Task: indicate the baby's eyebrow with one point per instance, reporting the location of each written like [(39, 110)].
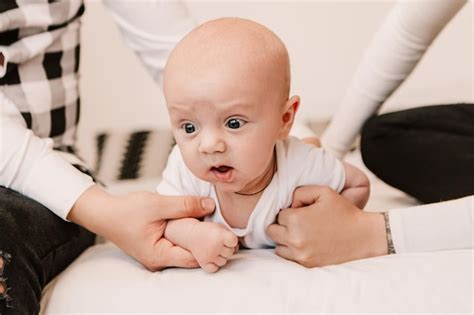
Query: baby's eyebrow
[(239, 107), (180, 111), (176, 106)]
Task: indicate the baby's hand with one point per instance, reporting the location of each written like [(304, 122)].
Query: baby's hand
[(212, 244)]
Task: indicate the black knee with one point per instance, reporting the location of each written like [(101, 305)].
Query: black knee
[(35, 245), (379, 143), (426, 152), (20, 276)]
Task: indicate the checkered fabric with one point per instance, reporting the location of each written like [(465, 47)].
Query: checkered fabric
[(39, 40)]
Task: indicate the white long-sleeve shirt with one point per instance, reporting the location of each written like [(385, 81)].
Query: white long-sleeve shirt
[(433, 227), (397, 47), (30, 166)]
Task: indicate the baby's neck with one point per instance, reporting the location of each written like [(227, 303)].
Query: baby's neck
[(258, 185), (237, 207)]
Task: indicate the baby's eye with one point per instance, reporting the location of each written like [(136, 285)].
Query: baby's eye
[(188, 128), (235, 123)]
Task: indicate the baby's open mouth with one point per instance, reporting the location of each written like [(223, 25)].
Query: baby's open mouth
[(222, 172)]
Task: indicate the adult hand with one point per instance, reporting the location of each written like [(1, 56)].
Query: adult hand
[(136, 223), (323, 228)]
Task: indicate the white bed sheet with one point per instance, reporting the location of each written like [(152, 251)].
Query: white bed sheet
[(105, 280)]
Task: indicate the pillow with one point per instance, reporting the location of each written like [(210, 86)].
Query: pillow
[(106, 280), (132, 154)]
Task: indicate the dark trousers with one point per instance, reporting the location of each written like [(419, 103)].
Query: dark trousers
[(427, 152), (35, 246)]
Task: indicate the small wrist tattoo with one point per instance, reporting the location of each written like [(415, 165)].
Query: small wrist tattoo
[(388, 231)]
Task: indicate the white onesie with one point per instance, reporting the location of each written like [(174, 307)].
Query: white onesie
[(299, 164)]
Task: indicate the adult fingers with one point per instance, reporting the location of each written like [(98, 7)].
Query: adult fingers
[(169, 255), (174, 207), (308, 195), (278, 233), (285, 216), (285, 252)]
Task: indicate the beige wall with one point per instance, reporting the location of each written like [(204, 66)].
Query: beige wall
[(325, 39)]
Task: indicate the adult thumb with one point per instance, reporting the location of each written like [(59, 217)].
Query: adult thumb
[(175, 207)]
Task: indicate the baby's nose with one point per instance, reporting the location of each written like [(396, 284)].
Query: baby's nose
[(211, 142)]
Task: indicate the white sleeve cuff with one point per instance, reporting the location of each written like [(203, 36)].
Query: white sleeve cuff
[(56, 184), (433, 227), (30, 166)]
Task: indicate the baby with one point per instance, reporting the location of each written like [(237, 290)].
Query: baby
[(226, 86)]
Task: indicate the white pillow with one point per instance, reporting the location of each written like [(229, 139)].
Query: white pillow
[(131, 154), (105, 280)]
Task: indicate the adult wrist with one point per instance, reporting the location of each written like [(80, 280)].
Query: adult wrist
[(92, 210), (376, 236)]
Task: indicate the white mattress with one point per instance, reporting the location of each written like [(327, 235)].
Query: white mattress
[(105, 280)]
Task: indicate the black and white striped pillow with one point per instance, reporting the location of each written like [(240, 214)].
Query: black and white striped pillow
[(132, 155)]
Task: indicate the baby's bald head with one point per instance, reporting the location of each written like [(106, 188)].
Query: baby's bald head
[(232, 47), (226, 86)]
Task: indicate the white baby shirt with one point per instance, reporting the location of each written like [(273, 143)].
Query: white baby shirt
[(299, 164)]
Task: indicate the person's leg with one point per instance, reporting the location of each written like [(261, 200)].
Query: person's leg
[(428, 152), (35, 246)]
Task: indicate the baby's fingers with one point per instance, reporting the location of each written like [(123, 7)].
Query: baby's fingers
[(220, 261), (236, 248), (230, 240), (227, 252), (210, 267)]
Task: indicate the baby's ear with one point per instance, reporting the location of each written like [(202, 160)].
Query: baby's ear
[(288, 117)]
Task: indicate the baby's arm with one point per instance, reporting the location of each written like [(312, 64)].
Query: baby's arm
[(357, 186), (210, 243)]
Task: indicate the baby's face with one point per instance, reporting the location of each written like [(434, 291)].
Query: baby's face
[(226, 120)]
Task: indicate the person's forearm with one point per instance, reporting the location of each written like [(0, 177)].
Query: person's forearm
[(30, 166), (373, 236), (433, 227), (93, 211), (394, 52), (151, 28)]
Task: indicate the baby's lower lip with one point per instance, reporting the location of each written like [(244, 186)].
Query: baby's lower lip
[(223, 174)]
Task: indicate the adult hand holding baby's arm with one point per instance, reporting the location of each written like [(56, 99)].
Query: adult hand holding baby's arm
[(323, 228), (136, 223)]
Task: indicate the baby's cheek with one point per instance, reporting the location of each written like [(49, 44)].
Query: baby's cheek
[(193, 163)]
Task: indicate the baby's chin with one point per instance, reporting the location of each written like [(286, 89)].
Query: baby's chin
[(224, 187)]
